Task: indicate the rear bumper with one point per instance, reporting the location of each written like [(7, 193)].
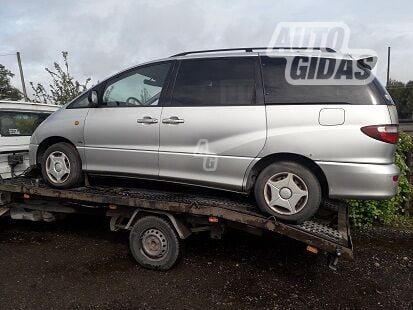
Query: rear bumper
[(32, 154), (360, 181)]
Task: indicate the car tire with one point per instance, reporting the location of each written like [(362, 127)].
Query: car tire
[(61, 166), (288, 191), (154, 243)]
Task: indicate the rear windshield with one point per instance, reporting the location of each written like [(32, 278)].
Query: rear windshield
[(20, 123), (279, 91)]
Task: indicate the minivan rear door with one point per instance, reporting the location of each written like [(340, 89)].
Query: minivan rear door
[(214, 124)]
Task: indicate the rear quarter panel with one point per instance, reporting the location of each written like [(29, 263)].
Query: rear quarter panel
[(296, 129)]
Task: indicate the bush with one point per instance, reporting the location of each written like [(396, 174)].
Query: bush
[(387, 212)]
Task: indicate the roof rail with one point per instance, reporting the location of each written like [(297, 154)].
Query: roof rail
[(251, 49)]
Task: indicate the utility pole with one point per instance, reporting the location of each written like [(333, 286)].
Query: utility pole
[(388, 66), (22, 77)]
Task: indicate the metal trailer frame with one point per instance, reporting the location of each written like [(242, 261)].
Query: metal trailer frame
[(30, 198)]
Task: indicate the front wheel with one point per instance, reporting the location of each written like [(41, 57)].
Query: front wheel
[(288, 191), (61, 166)]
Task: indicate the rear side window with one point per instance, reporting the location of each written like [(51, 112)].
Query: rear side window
[(20, 123), (279, 91), (215, 82)]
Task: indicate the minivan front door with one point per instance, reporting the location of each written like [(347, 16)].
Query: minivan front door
[(214, 125), (122, 132)]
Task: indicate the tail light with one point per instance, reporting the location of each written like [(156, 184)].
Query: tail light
[(384, 133)]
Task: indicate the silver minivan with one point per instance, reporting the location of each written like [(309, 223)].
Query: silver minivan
[(230, 120)]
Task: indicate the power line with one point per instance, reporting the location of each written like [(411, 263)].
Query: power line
[(12, 54)]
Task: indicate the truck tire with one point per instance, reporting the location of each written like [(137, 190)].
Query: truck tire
[(61, 166), (288, 191), (154, 243)]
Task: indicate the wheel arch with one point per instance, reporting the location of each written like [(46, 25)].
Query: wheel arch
[(180, 227), (48, 142), (303, 160)]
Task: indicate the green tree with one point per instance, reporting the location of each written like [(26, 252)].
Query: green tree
[(409, 100), (402, 95), (63, 87), (7, 91)]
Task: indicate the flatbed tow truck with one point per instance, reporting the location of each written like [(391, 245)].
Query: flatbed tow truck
[(159, 219)]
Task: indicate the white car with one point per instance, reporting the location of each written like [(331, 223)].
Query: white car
[(18, 120)]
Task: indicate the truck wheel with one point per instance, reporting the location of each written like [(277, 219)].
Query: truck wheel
[(61, 166), (288, 191), (154, 243)]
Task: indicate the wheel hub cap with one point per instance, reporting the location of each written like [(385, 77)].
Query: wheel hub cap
[(57, 167), (286, 193)]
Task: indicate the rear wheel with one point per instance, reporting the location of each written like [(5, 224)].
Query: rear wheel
[(288, 191), (61, 166), (154, 243)]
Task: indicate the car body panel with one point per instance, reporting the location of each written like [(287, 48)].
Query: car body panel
[(115, 141), (393, 114), (214, 145), (296, 129), (360, 181), (64, 123)]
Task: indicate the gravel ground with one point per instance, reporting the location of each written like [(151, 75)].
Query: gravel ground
[(79, 263)]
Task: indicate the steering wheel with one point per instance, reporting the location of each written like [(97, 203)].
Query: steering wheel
[(133, 100)]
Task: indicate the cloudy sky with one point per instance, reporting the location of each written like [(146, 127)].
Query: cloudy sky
[(103, 37)]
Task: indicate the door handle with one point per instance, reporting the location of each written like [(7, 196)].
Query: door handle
[(173, 120), (147, 120)]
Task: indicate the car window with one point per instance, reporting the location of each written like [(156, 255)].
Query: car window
[(20, 123), (279, 91), (215, 82), (141, 87), (82, 102)]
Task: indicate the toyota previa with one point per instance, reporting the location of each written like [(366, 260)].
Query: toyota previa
[(231, 120)]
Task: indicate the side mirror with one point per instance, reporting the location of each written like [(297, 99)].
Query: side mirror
[(93, 97)]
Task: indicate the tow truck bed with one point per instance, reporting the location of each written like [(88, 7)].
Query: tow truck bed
[(126, 202)]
